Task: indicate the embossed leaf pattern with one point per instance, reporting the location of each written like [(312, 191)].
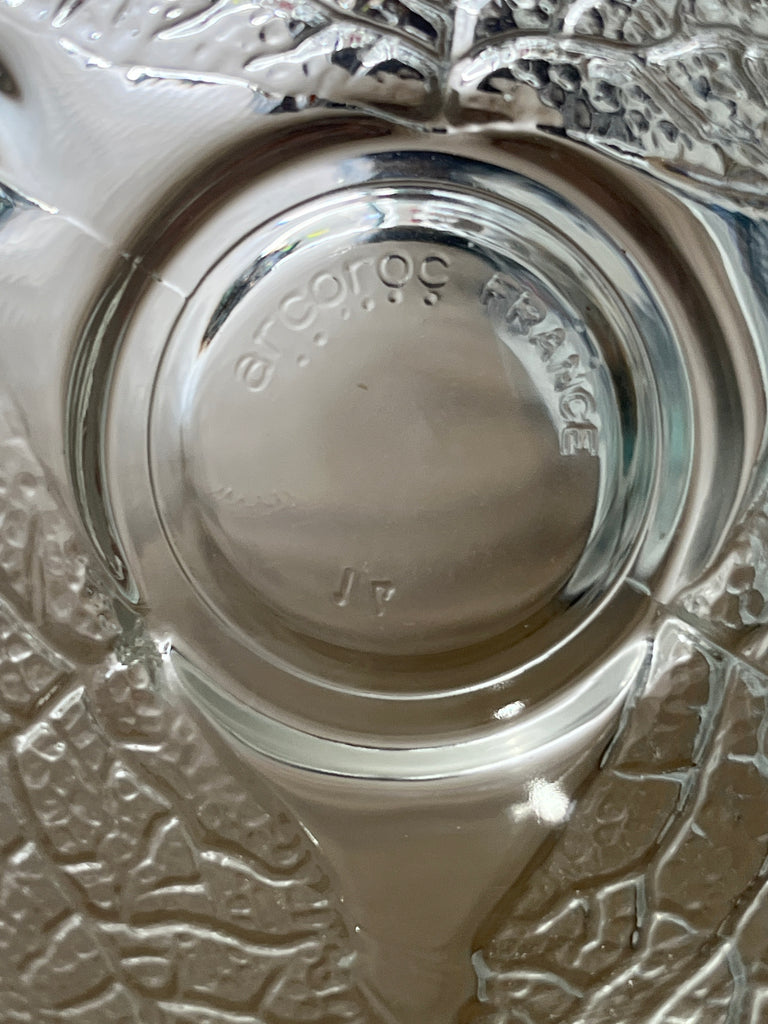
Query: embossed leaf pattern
[(41, 563), (291, 54), (141, 881), (731, 599), (621, 77), (696, 110), (651, 904)]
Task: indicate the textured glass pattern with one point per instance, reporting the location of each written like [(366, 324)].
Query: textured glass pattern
[(383, 512)]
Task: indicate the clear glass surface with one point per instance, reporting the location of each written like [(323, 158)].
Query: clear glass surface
[(383, 516)]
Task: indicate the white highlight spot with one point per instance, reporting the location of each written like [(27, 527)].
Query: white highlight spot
[(548, 801), (509, 711)]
